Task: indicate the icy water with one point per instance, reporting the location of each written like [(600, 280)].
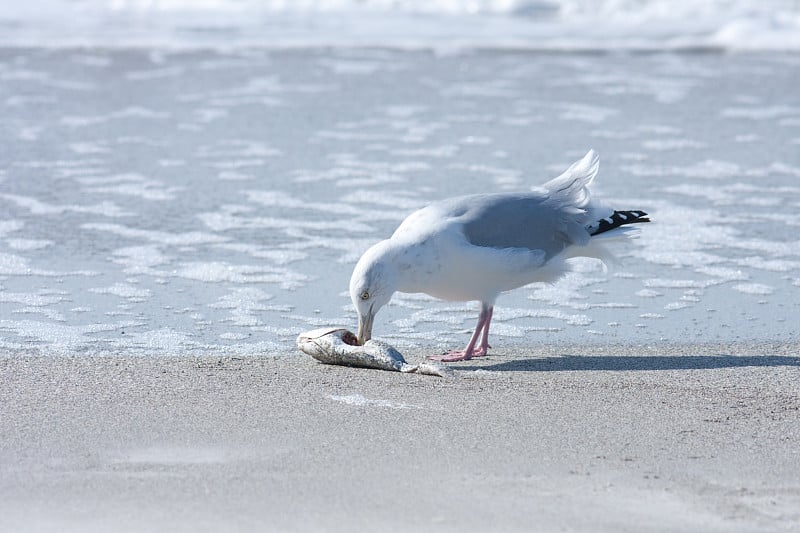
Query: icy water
[(161, 202)]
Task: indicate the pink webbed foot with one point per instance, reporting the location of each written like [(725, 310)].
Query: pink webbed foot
[(460, 355), (471, 351)]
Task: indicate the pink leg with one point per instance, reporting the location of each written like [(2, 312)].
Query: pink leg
[(484, 319), (484, 348)]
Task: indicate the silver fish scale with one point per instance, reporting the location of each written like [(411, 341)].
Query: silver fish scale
[(328, 346)]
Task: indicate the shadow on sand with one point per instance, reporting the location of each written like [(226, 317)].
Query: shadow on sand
[(649, 362)]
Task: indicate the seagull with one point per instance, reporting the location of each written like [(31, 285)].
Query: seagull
[(475, 247)]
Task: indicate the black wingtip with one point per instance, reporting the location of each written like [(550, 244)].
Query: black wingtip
[(619, 218)]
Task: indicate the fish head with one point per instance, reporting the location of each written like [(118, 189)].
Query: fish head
[(319, 342)]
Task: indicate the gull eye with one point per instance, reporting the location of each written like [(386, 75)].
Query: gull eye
[(365, 295)]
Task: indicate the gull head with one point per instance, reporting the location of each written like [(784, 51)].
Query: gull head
[(372, 284)]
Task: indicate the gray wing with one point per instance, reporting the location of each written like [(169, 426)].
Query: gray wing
[(525, 220)]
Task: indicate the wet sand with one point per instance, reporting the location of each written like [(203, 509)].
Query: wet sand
[(606, 438)]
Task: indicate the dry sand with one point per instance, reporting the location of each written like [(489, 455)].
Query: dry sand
[(611, 438)]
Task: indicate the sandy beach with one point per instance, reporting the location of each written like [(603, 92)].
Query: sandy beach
[(611, 438)]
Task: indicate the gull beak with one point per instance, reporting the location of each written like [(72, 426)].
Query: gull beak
[(365, 327)]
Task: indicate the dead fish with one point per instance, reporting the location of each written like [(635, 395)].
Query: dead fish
[(339, 346)]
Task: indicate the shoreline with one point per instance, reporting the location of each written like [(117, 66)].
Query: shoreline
[(532, 440), (501, 349)]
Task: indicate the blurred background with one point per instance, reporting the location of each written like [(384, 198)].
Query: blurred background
[(545, 24)]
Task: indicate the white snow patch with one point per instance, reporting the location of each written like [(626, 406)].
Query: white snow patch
[(648, 293), (359, 400), (754, 288), (245, 304), (24, 245), (123, 290)]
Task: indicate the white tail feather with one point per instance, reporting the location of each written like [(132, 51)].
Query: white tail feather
[(597, 247), (571, 188)]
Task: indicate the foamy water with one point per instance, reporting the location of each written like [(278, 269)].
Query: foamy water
[(439, 24), (156, 202)]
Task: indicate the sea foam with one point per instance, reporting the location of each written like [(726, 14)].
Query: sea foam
[(439, 24)]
